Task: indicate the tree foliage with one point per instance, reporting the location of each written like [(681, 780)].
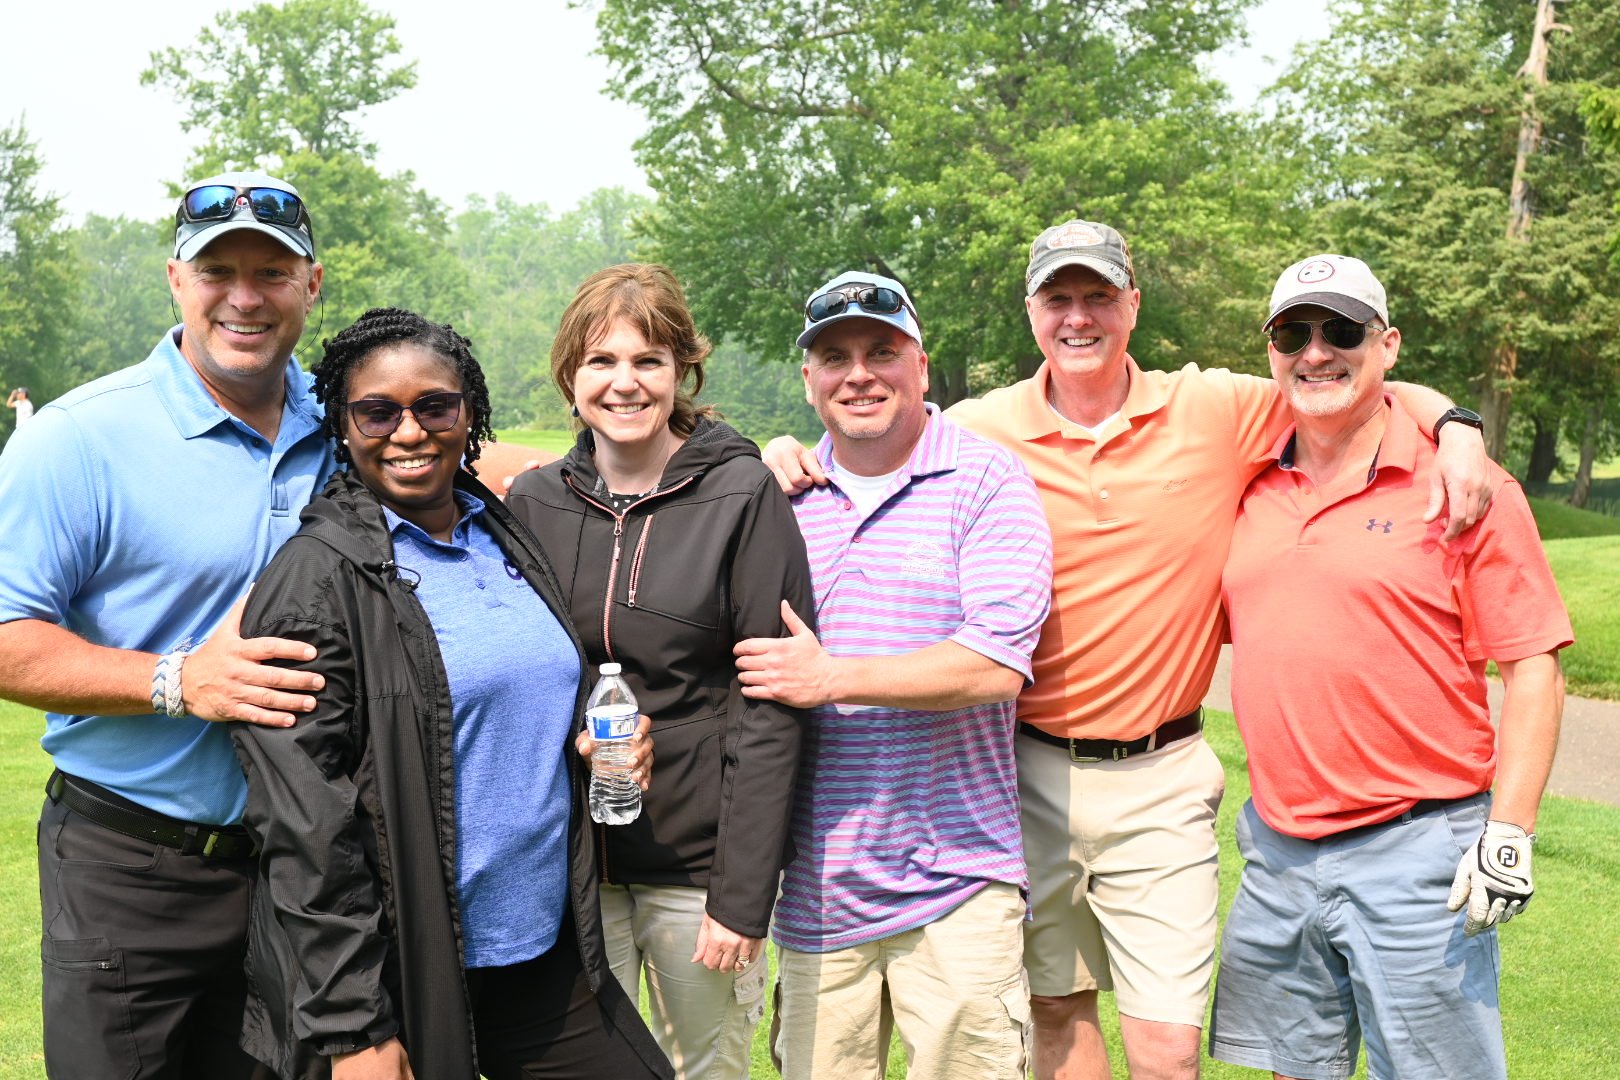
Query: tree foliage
[(1412, 109), (280, 88), (524, 264), (37, 275), (932, 140), (279, 79)]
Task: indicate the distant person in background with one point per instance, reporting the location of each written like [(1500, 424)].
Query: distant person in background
[(672, 543), (428, 876), (1359, 640), (18, 401)]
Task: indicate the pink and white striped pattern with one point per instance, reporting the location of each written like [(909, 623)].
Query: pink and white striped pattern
[(901, 815)]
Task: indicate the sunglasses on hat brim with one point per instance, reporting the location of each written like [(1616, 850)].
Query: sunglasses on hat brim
[(872, 299), (220, 202)]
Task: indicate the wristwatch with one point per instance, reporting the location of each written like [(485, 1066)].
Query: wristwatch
[(1462, 416)]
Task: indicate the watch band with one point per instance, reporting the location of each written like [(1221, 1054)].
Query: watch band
[(1462, 416)]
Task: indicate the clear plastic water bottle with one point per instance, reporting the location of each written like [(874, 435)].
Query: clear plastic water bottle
[(611, 714)]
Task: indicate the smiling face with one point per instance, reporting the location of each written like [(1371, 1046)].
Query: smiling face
[(1322, 381), (412, 471), (1082, 324), (625, 386), (244, 300), (866, 380)]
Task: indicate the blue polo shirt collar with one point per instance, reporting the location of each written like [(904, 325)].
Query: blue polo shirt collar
[(471, 506), (194, 411)]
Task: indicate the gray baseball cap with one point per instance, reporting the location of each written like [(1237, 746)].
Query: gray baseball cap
[(1339, 283), (1079, 243), (845, 291), (216, 205)]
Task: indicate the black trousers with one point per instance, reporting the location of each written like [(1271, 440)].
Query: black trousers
[(142, 957), (538, 1020)]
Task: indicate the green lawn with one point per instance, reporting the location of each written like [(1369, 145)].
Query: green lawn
[(557, 442), (1559, 521), (1558, 987), (1588, 573)]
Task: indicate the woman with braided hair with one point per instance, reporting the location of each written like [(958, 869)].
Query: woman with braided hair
[(426, 903)]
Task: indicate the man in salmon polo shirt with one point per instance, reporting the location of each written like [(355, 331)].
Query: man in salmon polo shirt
[(1140, 473), (1359, 640)]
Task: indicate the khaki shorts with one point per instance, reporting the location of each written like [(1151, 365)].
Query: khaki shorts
[(1123, 876), (954, 989), (703, 1020)]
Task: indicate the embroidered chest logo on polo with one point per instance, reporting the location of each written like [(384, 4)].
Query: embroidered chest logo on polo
[(925, 560), (1374, 524)]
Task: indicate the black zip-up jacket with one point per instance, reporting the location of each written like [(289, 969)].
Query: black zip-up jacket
[(354, 932), (666, 589)]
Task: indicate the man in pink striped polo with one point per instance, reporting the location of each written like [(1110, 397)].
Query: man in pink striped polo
[(903, 907)]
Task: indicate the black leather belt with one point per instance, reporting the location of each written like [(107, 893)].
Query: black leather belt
[(111, 811), (1090, 750)]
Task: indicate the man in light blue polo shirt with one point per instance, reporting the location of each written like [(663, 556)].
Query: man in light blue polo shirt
[(137, 511)]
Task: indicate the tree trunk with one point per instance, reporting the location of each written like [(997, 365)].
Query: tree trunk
[(947, 385), (1589, 439), (1496, 393), (1543, 456), (1028, 364)]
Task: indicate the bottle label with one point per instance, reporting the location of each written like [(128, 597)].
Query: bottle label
[(612, 721)]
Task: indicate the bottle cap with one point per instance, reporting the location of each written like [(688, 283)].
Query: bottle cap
[(610, 669)]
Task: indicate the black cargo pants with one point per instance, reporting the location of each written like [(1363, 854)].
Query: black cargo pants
[(142, 956)]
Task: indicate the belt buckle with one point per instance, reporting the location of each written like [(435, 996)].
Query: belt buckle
[(1081, 759)]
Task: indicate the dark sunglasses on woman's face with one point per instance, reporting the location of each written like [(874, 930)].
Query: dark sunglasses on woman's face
[(217, 202), (874, 299), (1340, 332), (376, 417)]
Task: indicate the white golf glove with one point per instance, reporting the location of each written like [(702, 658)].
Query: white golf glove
[(1493, 878)]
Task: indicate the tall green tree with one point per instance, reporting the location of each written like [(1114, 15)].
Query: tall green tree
[(1412, 109), (281, 88), (275, 79), (932, 140), (37, 276)]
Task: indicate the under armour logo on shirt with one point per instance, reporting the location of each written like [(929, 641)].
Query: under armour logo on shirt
[(1374, 523)]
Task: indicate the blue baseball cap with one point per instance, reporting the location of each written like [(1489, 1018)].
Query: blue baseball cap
[(885, 300)]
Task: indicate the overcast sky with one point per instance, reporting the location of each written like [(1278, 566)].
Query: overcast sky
[(508, 97)]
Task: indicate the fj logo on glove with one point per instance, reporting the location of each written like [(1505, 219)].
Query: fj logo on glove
[(1507, 856)]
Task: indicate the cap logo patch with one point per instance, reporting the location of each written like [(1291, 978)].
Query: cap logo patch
[(1315, 270), (1075, 236)]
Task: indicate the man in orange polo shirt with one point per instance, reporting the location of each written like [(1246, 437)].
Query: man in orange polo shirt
[(1359, 639), (1140, 473)]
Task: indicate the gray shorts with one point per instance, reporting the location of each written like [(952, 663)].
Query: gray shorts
[(1332, 942)]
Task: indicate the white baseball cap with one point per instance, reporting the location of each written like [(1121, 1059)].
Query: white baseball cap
[(1337, 282)]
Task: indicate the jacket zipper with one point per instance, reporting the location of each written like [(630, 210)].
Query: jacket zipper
[(635, 563), (618, 552), (607, 603)]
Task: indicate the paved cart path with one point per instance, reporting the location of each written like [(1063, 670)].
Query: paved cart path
[(1588, 764)]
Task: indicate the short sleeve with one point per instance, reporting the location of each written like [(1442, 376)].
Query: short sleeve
[(1005, 559), (50, 515), (1511, 607)]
